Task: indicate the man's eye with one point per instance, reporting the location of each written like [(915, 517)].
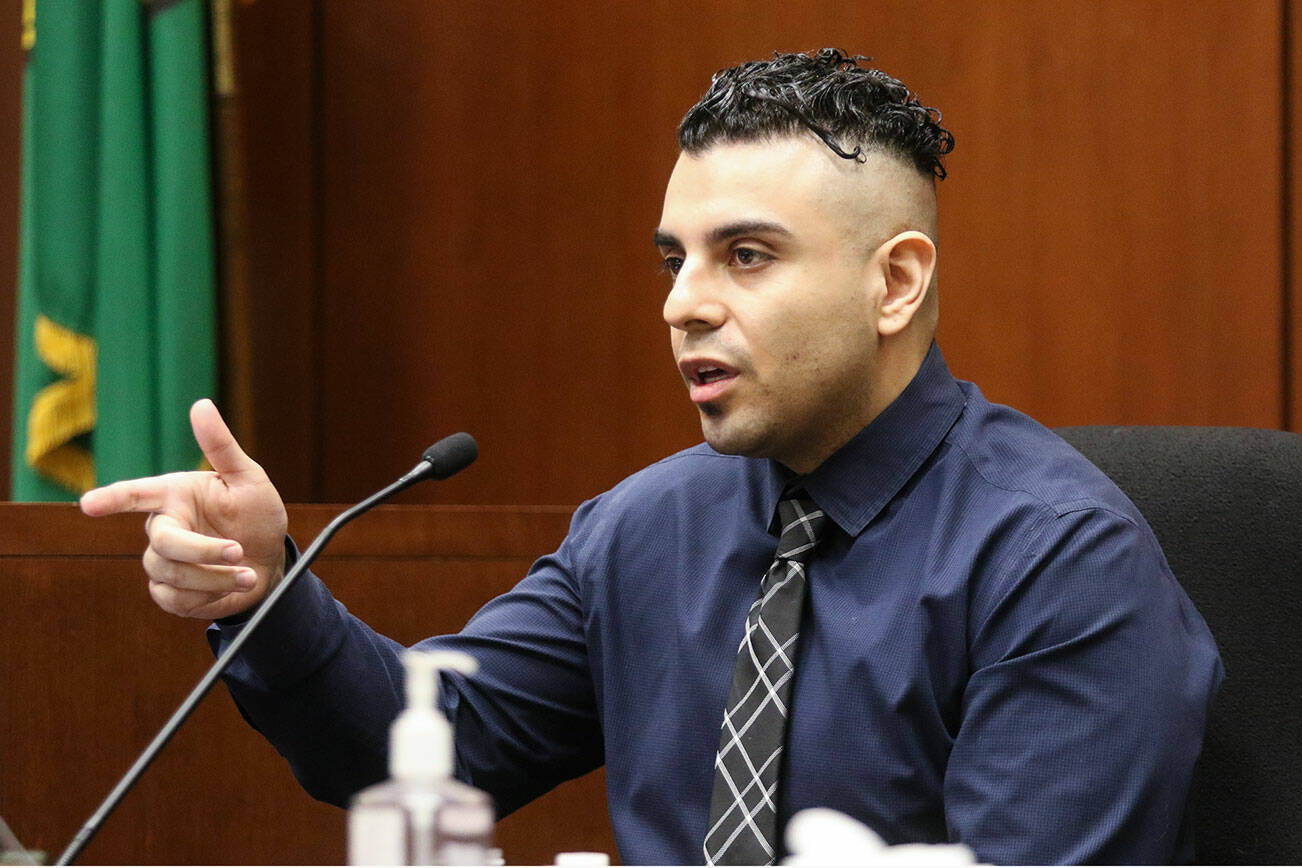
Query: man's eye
[(746, 256), (671, 264)]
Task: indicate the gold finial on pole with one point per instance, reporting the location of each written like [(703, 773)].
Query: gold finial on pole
[(29, 24)]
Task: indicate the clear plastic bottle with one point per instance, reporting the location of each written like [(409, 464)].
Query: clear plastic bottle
[(422, 815)]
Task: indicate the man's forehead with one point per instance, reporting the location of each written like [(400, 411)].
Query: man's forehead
[(794, 181), (752, 165)]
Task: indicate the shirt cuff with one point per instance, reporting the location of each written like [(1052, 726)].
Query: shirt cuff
[(298, 636)]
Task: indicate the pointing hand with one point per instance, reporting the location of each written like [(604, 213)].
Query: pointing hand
[(216, 538)]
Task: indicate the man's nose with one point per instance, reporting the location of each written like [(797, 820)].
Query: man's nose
[(694, 301)]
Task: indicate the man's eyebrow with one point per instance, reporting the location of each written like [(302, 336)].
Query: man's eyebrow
[(664, 239), (727, 232)]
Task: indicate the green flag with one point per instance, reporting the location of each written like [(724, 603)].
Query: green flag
[(116, 311)]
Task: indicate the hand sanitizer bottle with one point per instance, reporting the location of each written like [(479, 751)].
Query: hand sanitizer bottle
[(422, 815)]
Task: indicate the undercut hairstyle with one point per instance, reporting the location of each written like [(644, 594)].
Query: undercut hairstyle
[(852, 108)]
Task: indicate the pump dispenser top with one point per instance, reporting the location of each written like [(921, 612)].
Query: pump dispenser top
[(420, 740)]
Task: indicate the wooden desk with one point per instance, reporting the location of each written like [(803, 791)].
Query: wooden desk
[(91, 669)]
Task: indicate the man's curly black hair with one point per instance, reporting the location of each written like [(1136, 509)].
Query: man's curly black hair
[(826, 92)]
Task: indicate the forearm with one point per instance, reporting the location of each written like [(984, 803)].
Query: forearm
[(321, 686)]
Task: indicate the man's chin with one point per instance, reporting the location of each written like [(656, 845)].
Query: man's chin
[(729, 438)]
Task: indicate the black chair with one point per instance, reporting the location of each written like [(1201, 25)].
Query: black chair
[(1226, 505)]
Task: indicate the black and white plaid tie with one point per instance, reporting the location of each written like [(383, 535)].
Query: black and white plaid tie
[(743, 804)]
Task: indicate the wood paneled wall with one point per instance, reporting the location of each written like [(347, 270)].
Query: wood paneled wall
[(453, 206), (447, 212)]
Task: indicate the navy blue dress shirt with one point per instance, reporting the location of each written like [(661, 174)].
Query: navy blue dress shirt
[(993, 650)]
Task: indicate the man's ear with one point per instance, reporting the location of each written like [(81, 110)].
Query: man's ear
[(908, 261)]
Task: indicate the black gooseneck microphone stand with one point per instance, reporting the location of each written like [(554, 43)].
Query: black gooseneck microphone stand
[(444, 458)]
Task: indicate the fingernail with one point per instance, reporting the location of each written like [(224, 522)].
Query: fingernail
[(232, 553), (245, 580)]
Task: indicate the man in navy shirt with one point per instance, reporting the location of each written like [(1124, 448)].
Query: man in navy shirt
[(991, 647)]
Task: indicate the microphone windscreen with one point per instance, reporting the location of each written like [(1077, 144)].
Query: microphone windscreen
[(450, 455)]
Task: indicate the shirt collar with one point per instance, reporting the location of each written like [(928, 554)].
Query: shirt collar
[(861, 477)]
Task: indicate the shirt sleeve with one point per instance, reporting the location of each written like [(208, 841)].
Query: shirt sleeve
[(1084, 712), (323, 687)]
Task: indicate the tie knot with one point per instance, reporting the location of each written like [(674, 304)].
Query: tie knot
[(803, 525)]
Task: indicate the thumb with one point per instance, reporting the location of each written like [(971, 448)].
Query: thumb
[(217, 441)]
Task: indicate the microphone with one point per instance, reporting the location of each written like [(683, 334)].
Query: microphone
[(450, 455)]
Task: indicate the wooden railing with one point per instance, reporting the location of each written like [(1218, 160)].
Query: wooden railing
[(90, 669)]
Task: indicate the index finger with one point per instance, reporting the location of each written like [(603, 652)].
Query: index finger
[(148, 494)]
